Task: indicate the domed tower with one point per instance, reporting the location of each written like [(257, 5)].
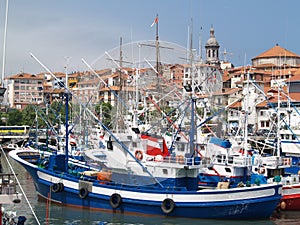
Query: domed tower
[(212, 49)]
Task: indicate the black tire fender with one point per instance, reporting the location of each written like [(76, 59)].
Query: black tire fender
[(83, 192), (115, 200), (61, 186), (55, 187), (167, 205)]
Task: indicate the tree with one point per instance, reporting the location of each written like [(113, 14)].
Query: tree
[(104, 111), (29, 115), (14, 117)]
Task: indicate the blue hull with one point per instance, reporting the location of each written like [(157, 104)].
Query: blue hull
[(241, 209), (258, 202)]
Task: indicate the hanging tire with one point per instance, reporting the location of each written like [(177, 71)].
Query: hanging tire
[(168, 205), (83, 193), (115, 200), (61, 186), (55, 187)]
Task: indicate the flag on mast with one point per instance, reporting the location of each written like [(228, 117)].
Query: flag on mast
[(155, 21)]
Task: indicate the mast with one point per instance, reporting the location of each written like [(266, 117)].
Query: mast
[(2, 88), (4, 44), (157, 44), (278, 122), (120, 113), (67, 130), (192, 132), (200, 45), (246, 114)]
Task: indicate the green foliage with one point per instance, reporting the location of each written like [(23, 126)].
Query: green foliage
[(29, 115), (54, 114), (14, 117), (104, 111)]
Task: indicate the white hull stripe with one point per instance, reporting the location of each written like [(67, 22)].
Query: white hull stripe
[(209, 195)]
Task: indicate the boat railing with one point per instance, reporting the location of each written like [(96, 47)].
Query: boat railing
[(275, 161), (7, 184), (235, 160), (290, 180), (181, 160), (241, 161)]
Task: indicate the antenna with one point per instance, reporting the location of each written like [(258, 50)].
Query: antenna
[(4, 43), (200, 44), (2, 88), (191, 42), (225, 53)]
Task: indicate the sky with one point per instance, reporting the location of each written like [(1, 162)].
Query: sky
[(63, 32)]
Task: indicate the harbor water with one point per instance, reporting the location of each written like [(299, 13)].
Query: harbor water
[(53, 214)]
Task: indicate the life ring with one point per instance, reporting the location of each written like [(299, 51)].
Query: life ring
[(261, 170), (286, 161), (83, 192), (115, 200), (168, 205), (138, 155), (57, 187), (180, 159), (158, 158)]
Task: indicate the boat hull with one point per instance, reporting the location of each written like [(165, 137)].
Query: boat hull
[(257, 202), (291, 197), (231, 209)]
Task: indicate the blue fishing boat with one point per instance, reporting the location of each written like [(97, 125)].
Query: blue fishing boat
[(137, 179)]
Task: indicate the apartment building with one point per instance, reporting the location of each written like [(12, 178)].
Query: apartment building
[(25, 89), (272, 79)]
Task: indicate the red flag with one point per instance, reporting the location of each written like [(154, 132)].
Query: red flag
[(155, 145), (155, 21)]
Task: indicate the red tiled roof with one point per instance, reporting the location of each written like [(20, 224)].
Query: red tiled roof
[(276, 51), (231, 91), (295, 75), (262, 104), (26, 76), (235, 105), (295, 97)]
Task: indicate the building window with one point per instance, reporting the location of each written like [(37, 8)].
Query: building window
[(267, 124)]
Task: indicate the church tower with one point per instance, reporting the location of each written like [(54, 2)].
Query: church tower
[(212, 49)]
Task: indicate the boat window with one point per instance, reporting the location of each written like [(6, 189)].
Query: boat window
[(165, 171), (109, 145), (134, 144), (180, 147), (228, 170)]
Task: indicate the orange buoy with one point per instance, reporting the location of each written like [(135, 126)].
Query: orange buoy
[(282, 205), (138, 155)]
